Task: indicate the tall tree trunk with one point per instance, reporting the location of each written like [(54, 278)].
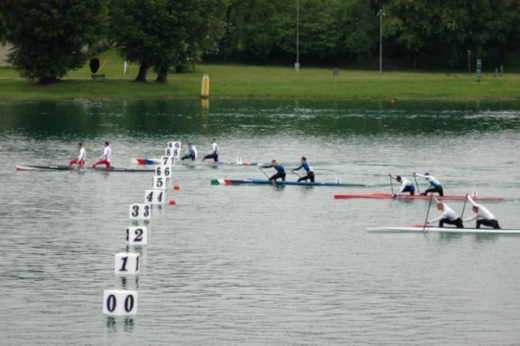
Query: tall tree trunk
[(143, 72), (47, 80), (162, 77)]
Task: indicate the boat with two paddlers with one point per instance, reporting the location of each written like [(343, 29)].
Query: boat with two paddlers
[(421, 229), (67, 168), (279, 182), (382, 195), (144, 161)]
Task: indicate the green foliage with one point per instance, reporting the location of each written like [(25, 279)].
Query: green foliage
[(49, 36), (166, 33)]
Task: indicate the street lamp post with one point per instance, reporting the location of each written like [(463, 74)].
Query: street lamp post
[(297, 65), (380, 14)]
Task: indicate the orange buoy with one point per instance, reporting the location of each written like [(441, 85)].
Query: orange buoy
[(392, 102), (172, 202), (176, 187)]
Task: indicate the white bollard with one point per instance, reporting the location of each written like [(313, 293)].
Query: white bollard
[(140, 211), (137, 235), (154, 196), (159, 183), (119, 302), (167, 161), (163, 171), (173, 149), (126, 263)]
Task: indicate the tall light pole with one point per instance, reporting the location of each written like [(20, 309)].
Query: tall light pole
[(380, 14), (297, 65)]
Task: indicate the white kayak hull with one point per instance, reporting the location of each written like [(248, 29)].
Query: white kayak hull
[(420, 229)]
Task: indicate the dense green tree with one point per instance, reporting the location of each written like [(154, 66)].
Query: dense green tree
[(166, 33), (410, 24), (359, 27), (49, 36)]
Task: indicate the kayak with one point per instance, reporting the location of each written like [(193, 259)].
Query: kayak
[(67, 168), (143, 161), (420, 229), (279, 182), (381, 195)]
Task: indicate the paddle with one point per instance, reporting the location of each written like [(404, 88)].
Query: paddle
[(464, 207), (293, 172), (427, 213), (391, 183), (417, 184), (264, 172)]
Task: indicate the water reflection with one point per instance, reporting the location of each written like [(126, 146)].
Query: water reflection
[(72, 120)]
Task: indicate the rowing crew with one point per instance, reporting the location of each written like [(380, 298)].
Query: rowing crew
[(191, 152), (449, 216), (280, 171), (408, 186), (80, 160)]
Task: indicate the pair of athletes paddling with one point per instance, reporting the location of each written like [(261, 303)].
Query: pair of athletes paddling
[(80, 160), (280, 171), (448, 216)]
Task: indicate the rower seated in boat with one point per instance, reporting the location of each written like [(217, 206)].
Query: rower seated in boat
[(191, 153), (105, 159), (280, 171), (448, 216), (310, 172), (214, 151), (80, 160), (406, 185), (482, 215), (435, 185)]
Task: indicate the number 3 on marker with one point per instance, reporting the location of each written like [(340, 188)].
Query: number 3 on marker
[(140, 211)]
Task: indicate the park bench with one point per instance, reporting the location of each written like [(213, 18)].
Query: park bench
[(98, 76)]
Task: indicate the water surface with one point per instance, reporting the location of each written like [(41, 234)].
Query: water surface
[(258, 265)]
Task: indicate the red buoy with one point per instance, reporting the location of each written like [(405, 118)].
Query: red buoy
[(176, 187), (172, 202)]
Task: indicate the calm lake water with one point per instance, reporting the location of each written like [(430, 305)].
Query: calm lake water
[(259, 265)]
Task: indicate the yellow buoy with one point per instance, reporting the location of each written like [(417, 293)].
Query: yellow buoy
[(204, 93)]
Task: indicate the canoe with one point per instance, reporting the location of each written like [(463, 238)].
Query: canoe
[(143, 161), (419, 229), (381, 195), (67, 168), (279, 182)]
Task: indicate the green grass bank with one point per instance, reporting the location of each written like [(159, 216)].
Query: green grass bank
[(244, 81)]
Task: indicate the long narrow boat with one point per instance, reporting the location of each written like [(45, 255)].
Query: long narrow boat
[(381, 195), (143, 161), (420, 229), (269, 182), (67, 168)]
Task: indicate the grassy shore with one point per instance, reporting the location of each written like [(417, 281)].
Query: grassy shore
[(244, 81)]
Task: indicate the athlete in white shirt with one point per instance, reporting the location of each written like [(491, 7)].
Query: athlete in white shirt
[(80, 160), (105, 159), (191, 153), (448, 216), (214, 151), (406, 185), (483, 216), (435, 185)]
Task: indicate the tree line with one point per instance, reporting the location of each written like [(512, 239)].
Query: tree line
[(51, 37)]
